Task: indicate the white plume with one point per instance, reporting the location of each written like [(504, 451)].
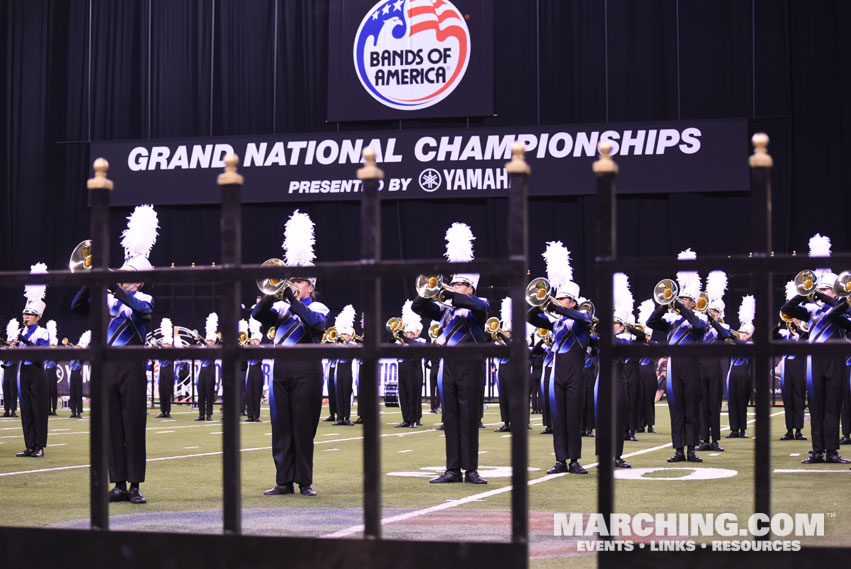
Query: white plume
[(716, 285), (12, 330), (623, 299), (36, 292), (459, 243), (254, 328), (345, 319), (747, 310), (791, 290), (410, 319), (299, 240), (141, 233), (242, 326), (51, 332), (505, 310), (819, 246), (167, 329), (557, 259), (212, 326), (688, 279), (85, 339), (645, 309)]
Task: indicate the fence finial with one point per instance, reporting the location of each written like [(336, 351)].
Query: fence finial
[(605, 164), (370, 170), (760, 157), (100, 181), (230, 175), (518, 164)]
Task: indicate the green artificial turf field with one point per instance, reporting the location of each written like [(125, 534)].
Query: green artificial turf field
[(183, 485)]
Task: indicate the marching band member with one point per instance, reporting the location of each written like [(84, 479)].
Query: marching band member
[(10, 385), (793, 375), (130, 313), (166, 381), (296, 390), (683, 376), (253, 376), (343, 378), (571, 328), (710, 368), (647, 377), (591, 376), (411, 371), (75, 379), (502, 336), (206, 379), (50, 370), (821, 310), (740, 375), (32, 388), (462, 320)]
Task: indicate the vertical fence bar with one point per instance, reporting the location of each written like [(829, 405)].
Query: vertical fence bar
[(100, 189), (231, 234), (606, 170), (518, 220), (760, 172), (370, 223)]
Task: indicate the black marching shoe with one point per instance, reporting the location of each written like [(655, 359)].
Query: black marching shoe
[(503, 429), (201, 419), (481, 425), (280, 489), (441, 427), (306, 491), (119, 495), (639, 430), (832, 456), (473, 477), (38, 452), (788, 436), (692, 457), (650, 429), (704, 446), (359, 421), (162, 415), (743, 434), (558, 468), (846, 440), (799, 436), (346, 423), (330, 419), (678, 457), (814, 458), (621, 463), (448, 476), (547, 431), (403, 424), (5, 413), (135, 496), (716, 447), (25, 452), (734, 434), (575, 468), (13, 414), (631, 437)]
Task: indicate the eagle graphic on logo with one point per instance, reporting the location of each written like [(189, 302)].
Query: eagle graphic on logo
[(411, 54)]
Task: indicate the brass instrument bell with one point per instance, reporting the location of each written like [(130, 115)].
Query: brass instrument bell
[(81, 257), (806, 282), (666, 291), (842, 285), (274, 286)]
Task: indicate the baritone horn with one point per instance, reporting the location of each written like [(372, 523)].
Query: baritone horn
[(331, 336), (433, 287), (275, 286), (842, 285), (81, 257)]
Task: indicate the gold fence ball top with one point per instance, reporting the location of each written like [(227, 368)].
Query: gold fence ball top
[(605, 164), (100, 181), (760, 157), (518, 164), (370, 170), (230, 176)]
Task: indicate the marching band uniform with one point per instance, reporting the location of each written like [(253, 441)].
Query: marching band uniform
[(296, 390), (740, 375), (711, 372), (254, 376), (167, 371), (793, 380), (343, 377), (75, 380), (536, 361), (461, 322), (591, 376), (206, 380), (329, 371), (411, 371), (501, 367), (50, 371), (546, 380)]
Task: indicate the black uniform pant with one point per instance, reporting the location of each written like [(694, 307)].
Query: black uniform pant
[(824, 392), (647, 403), (738, 394), (546, 403), (712, 391), (535, 397), (621, 412), (461, 388), (166, 388), (33, 393), (329, 388), (343, 389), (589, 411), (793, 387), (846, 404), (411, 390), (10, 389), (126, 384), (75, 391), (632, 383), (206, 390), (567, 397), (52, 389), (683, 387), (504, 395), (296, 405), (432, 379), (253, 390)]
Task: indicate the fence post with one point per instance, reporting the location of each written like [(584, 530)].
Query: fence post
[(100, 190)]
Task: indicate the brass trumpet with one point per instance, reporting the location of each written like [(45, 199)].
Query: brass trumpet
[(842, 285), (331, 336), (545, 335), (65, 341), (434, 330), (273, 286), (433, 287), (666, 291), (242, 338), (539, 293), (702, 303), (395, 327), (493, 328), (270, 333), (806, 282), (81, 257)]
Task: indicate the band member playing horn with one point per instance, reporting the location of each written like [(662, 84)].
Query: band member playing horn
[(710, 368), (206, 380), (571, 329), (10, 385), (461, 322), (647, 377), (75, 379), (50, 370), (296, 390), (253, 376), (740, 375), (793, 373), (501, 335), (816, 304), (130, 314), (411, 370), (166, 379), (683, 375), (343, 378)]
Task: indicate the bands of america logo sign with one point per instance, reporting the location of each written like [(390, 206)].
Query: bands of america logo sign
[(411, 54)]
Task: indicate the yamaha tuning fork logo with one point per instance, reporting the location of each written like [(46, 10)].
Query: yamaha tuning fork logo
[(411, 54)]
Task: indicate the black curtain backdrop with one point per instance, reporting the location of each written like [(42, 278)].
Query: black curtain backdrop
[(74, 71)]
